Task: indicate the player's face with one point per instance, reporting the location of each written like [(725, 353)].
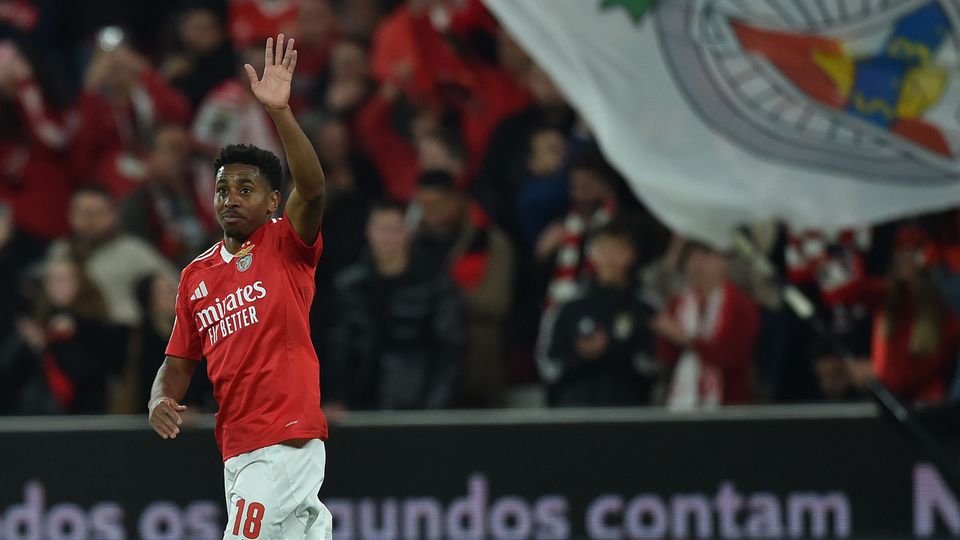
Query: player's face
[(244, 200)]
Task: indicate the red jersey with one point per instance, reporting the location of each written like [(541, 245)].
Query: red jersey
[(248, 315)]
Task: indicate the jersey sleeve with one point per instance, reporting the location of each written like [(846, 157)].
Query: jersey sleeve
[(294, 248), (184, 340)]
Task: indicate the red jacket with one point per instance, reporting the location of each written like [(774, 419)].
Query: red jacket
[(493, 95), (109, 143), (33, 179), (481, 94), (729, 348), (393, 156), (411, 39)]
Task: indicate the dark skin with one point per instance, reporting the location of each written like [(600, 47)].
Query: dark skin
[(244, 202)]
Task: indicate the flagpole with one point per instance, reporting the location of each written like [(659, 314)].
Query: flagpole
[(941, 458)]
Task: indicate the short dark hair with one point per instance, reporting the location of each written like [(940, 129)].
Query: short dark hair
[(152, 139), (619, 229), (592, 160), (247, 154), (386, 204), (824, 346), (437, 179)]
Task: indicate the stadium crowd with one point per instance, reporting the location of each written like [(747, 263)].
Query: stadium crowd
[(479, 251)]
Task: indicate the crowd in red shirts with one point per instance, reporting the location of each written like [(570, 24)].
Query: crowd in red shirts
[(479, 251)]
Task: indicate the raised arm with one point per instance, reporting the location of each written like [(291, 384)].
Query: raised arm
[(305, 204), (169, 387)]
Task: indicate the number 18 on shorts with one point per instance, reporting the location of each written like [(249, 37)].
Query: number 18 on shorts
[(272, 494)]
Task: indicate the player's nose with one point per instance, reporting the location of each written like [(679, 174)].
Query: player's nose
[(232, 200)]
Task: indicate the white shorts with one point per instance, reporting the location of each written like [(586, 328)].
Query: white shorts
[(272, 494)]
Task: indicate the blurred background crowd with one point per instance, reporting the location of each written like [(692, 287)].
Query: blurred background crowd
[(479, 251)]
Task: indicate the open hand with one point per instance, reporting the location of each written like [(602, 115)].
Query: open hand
[(273, 89)]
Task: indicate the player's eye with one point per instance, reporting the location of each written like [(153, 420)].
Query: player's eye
[(222, 191), (246, 191)]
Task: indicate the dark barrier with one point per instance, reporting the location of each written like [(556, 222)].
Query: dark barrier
[(784, 472)]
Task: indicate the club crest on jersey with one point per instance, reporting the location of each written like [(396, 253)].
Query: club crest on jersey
[(245, 258)]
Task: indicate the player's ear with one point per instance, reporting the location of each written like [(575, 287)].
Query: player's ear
[(274, 201)]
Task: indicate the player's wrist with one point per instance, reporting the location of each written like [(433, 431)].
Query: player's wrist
[(155, 402), (276, 112)]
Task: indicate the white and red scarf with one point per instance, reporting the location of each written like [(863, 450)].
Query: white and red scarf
[(834, 261), (568, 268), (696, 385)]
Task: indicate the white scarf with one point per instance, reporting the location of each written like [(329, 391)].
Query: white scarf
[(696, 385)]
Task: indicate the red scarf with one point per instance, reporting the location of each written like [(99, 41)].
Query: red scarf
[(568, 267)]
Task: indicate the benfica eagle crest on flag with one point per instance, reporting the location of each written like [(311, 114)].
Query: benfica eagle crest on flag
[(868, 88), (817, 113)]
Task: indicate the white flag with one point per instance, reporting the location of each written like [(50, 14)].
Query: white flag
[(725, 112)]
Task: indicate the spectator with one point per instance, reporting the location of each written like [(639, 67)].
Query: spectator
[(435, 45), (123, 99), (835, 379), (504, 167), (833, 269), (456, 236), (349, 85), (599, 350), (113, 260), (543, 196), (399, 339), (360, 17), (593, 203), (169, 211), (395, 149), (14, 259), (317, 34), (59, 358), (352, 183), (253, 21), (915, 336), (407, 39), (439, 151), (33, 149), (156, 297), (707, 335), (230, 114), (202, 57)]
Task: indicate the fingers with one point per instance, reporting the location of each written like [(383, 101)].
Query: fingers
[(164, 426), (268, 53), (288, 55), (173, 415), (278, 53), (251, 73), (166, 419), (293, 61)]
